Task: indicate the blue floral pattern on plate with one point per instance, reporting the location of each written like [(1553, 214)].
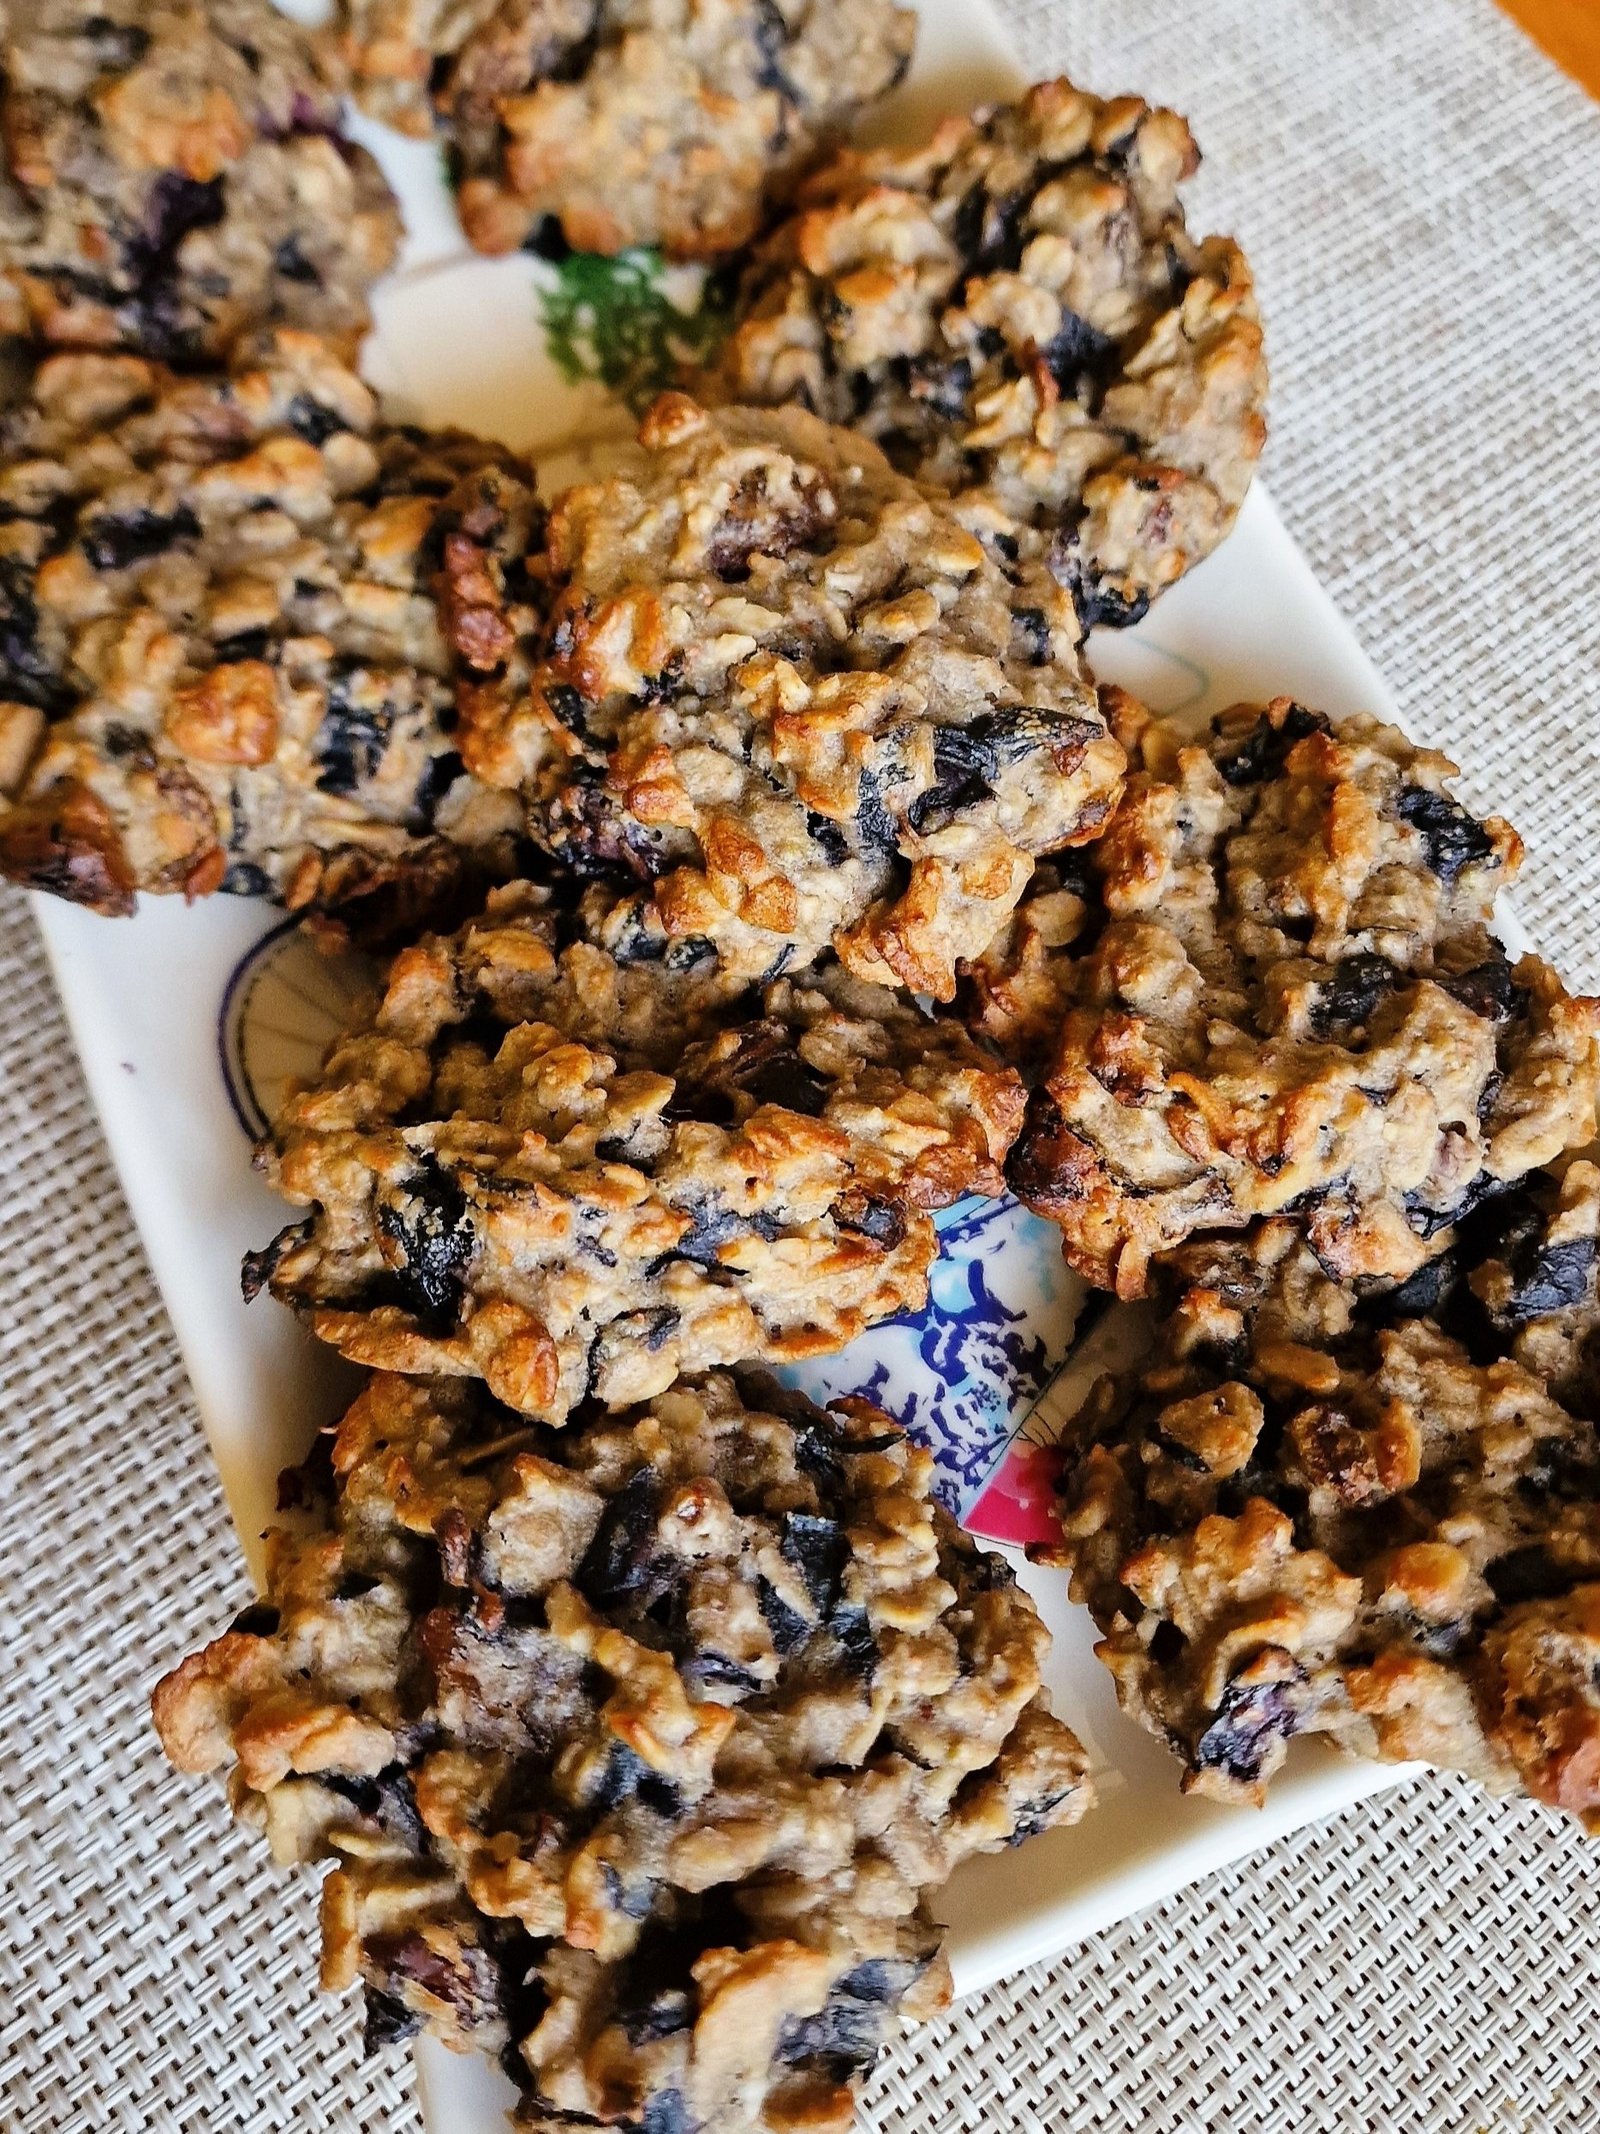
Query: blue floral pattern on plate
[(963, 1374)]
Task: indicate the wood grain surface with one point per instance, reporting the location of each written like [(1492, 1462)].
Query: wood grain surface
[(1569, 30)]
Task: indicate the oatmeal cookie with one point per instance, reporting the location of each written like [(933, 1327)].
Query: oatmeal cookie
[(787, 689), (600, 124), (1018, 313), (1313, 1513), (520, 1170), (173, 175), (1285, 998), (221, 663), (635, 1746)]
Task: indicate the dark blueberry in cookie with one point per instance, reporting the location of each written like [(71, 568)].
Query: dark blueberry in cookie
[(258, 1267), (1547, 1278), (1565, 1467), (842, 2038), (940, 384), (1046, 1156), (1078, 354), (661, 2014), (819, 1550), (291, 263), (1095, 599), (652, 1328), (713, 1229), (858, 1648), (466, 1980), (429, 1222), (752, 524), (567, 704), (1489, 990), (245, 644), (388, 1799), (1526, 1574), (1033, 626), (313, 421), (772, 39), (706, 1672), (1422, 1295), (1261, 753), (970, 760), (1037, 1815), (177, 205), (829, 839), (788, 1627), (1440, 1641), (27, 674), (117, 45), (1428, 1217), (1353, 990), (388, 2021), (116, 541), (987, 229), (353, 736), (439, 774), (880, 1220), (1453, 839), (593, 834), (765, 1069), (877, 826), (624, 1776), (625, 1561), (666, 2113), (1252, 1719)]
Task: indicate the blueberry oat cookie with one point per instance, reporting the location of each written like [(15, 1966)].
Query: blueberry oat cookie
[(1280, 995), (221, 663), (601, 124), (1313, 1513), (1017, 312), (635, 1747), (173, 175), (785, 688), (515, 1172)]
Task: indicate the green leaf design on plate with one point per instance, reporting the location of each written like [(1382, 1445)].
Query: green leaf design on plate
[(631, 322)]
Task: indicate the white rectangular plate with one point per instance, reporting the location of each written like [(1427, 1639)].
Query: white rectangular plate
[(179, 1012)]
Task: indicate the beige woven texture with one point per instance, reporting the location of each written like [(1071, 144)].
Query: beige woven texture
[(1420, 193)]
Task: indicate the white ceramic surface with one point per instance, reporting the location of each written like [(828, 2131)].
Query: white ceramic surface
[(170, 1052)]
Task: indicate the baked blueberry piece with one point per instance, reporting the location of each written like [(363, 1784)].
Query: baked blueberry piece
[(1309, 1513), (1275, 991), (1017, 312), (221, 661), (636, 1746), (785, 689), (173, 175), (1535, 1272), (602, 124), (576, 1179)]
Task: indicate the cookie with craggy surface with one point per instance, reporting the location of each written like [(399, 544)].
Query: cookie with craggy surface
[(1274, 989), (784, 689), (637, 1747), (577, 1170)]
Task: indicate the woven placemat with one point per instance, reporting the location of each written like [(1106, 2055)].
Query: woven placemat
[(1420, 194)]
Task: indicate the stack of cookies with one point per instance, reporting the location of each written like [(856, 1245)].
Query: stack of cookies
[(757, 871)]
